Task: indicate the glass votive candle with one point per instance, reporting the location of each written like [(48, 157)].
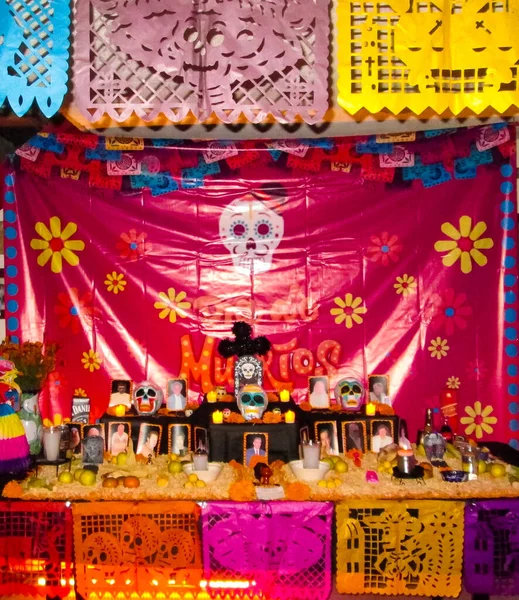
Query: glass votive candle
[(371, 409), (211, 396), (217, 417), (200, 461), (284, 396), (311, 454), (51, 443), (290, 416)]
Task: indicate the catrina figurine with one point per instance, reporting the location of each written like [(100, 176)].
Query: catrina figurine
[(14, 447)]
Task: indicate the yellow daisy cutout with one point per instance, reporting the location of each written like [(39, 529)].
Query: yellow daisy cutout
[(56, 244), (465, 244), (438, 348), (479, 420), (91, 360), (349, 310), (405, 285), (453, 383), (172, 304), (115, 282)]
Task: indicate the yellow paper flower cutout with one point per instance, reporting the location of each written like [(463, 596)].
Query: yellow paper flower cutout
[(172, 304), (349, 310), (453, 383), (438, 348), (465, 244), (115, 282), (478, 420), (91, 360), (405, 285), (80, 393), (56, 244)]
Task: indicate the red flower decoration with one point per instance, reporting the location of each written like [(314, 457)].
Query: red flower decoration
[(451, 311), (57, 381), (476, 369), (132, 245), (385, 248), (71, 309)]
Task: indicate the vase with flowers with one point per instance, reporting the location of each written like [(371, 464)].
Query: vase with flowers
[(33, 361)]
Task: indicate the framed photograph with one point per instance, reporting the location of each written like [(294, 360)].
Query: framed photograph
[(382, 434), (255, 444), (179, 439), (93, 443), (326, 433), (354, 436), (149, 438), (379, 389), (119, 433), (304, 434), (176, 396), (75, 437), (248, 370), (201, 440), (319, 392), (121, 393)]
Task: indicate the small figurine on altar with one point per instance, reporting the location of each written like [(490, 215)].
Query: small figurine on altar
[(248, 370)]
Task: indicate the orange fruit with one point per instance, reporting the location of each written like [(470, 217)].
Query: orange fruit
[(110, 482), (131, 482)]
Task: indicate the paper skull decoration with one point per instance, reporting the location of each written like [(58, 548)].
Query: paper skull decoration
[(147, 398), (248, 370), (350, 393), (251, 231), (252, 402)]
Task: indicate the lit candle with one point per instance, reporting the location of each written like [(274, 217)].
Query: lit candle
[(211, 396), (218, 416), (290, 416), (120, 410), (284, 396), (371, 409)]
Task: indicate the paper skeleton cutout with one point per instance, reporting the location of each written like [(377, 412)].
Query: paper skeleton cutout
[(251, 231), (350, 394), (252, 402), (247, 370), (147, 398)]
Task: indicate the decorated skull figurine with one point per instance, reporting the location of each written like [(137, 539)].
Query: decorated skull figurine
[(147, 397), (251, 231), (350, 394), (252, 402)]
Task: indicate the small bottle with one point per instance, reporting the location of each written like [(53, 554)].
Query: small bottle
[(428, 428), (446, 430)]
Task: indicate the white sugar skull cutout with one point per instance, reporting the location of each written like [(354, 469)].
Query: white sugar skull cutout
[(251, 231)]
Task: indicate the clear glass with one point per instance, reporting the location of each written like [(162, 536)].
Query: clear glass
[(311, 454), (51, 442), (200, 461), (469, 459)]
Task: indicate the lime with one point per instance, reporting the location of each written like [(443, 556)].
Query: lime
[(200, 484), (87, 478), (193, 478), (498, 470), (173, 457), (322, 483), (188, 485), (65, 477), (77, 474), (341, 466), (330, 484), (122, 458), (329, 462), (175, 467), (482, 467)]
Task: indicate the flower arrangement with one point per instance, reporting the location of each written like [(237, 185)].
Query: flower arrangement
[(242, 491), (297, 491), (32, 360)]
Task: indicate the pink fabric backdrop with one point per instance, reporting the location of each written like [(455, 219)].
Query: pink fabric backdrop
[(336, 298)]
